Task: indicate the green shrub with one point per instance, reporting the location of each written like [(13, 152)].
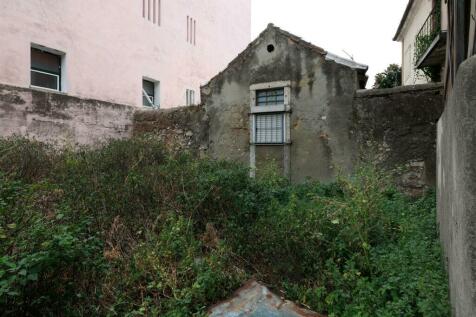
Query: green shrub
[(47, 262), (130, 230)]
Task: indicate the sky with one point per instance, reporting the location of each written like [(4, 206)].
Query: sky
[(362, 28)]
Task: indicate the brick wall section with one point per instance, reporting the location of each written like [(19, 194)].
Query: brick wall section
[(397, 128), (61, 119), (182, 128)]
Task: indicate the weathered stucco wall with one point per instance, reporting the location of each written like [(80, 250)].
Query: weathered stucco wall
[(322, 94), (396, 128), (457, 189), (61, 119), (181, 129)]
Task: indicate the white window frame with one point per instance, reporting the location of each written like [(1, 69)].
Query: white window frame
[(50, 74), (284, 109)]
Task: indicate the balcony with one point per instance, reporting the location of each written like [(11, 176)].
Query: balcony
[(430, 43)]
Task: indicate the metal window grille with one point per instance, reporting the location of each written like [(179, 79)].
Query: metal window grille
[(45, 70), (270, 97), (269, 128)]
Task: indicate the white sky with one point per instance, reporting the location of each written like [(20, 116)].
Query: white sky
[(363, 28)]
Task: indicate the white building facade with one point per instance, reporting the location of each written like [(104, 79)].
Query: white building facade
[(137, 52), (422, 20)]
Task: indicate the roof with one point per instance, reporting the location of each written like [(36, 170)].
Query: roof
[(404, 19), (253, 300), (345, 61), (361, 68)]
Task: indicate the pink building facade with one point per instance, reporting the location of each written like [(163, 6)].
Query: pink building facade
[(135, 52)]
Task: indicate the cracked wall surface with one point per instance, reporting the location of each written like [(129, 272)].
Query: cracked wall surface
[(396, 129), (61, 119), (457, 189)]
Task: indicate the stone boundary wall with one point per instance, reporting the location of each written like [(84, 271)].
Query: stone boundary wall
[(180, 129), (397, 128), (391, 127), (61, 119)]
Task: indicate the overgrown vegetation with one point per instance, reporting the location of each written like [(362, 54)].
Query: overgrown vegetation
[(390, 78), (130, 230)]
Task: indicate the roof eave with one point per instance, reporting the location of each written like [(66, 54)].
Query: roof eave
[(403, 21)]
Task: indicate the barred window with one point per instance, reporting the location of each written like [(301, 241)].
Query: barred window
[(269, 128), (270, 97)]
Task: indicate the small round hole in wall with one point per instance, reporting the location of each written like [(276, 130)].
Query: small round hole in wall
[(270, 48)]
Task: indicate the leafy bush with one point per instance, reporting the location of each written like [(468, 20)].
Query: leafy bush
[(131, 230)]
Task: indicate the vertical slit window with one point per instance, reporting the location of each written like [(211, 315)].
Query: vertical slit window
[(143, 8), (155, 12), (191, 30), (159, 12), (148, 9), (194, 32)]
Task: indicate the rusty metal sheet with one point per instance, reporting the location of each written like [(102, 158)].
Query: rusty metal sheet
[(256, 300)]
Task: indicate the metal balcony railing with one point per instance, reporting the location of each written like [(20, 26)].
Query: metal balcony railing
[(428, 32)]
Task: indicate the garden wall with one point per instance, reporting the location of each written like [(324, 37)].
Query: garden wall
[(397, 128), (58, 118)]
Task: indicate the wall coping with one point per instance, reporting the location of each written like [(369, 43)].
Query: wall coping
[(65, 95), (397, 90)]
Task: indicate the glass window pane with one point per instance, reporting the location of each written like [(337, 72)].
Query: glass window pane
[(270, 97), (45, 61), (41, 79), (149, 87)]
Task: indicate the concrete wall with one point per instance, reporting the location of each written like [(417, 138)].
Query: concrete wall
[(109, 46), (322, 92), (457, 189), (57, 118), (396, 128)]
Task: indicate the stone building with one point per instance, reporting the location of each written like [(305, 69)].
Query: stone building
[(133, 52), (286, 101)]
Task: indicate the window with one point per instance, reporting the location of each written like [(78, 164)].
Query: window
[(270, 97), (151, 11), (45, 69), (191, 30), (269, 128), (148, 93), (270, 113), (189, 97)]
